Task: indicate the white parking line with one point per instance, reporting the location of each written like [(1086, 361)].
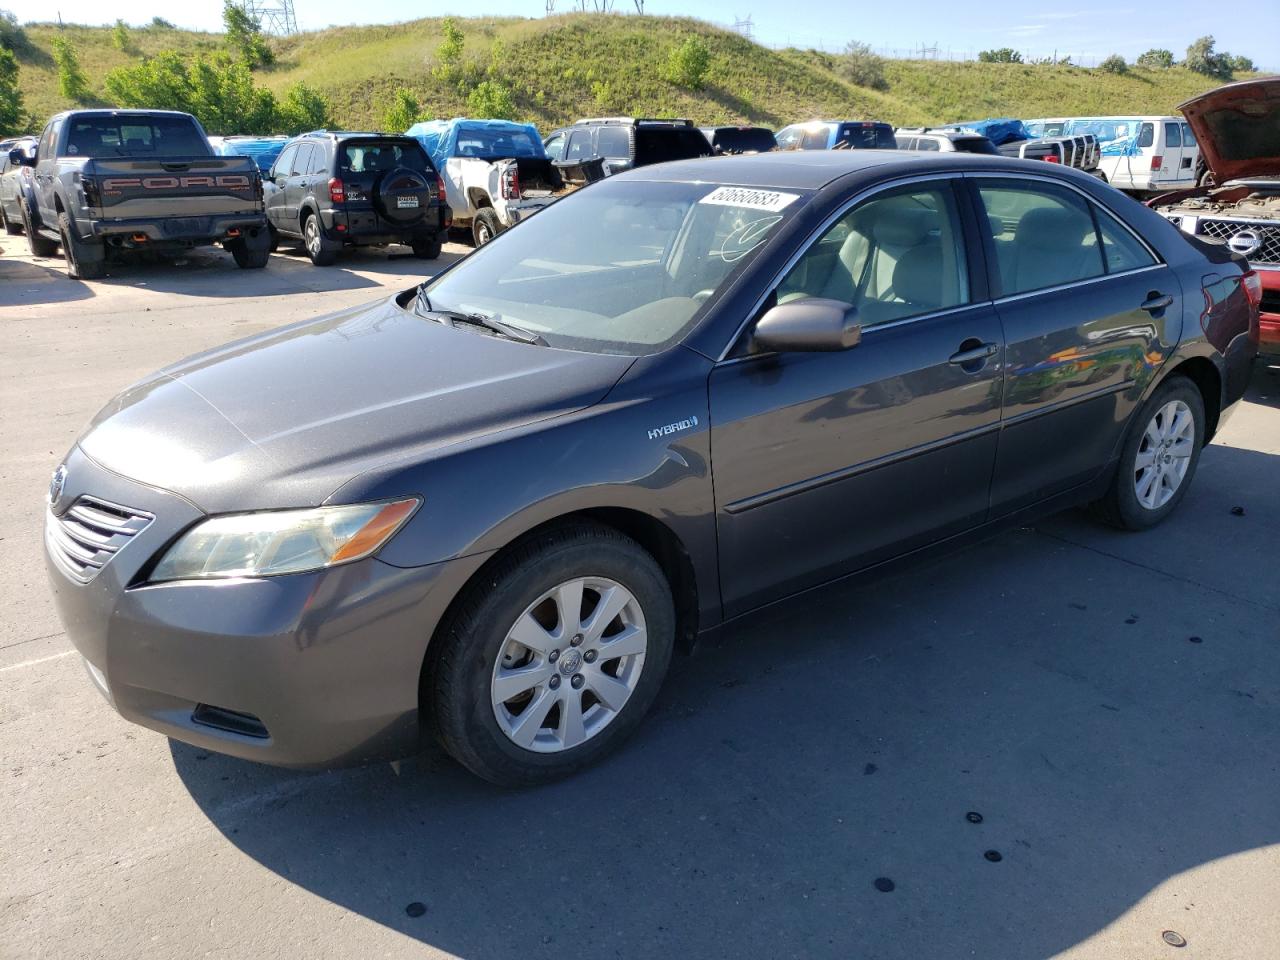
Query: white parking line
[(32, 663)]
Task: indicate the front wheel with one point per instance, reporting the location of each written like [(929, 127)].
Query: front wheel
[(40, 245), (553, 658), (1159, 457), (11, 228)]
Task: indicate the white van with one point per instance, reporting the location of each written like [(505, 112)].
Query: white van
[(1139, 154)]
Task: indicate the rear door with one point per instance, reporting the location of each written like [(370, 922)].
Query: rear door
[(275, 198), (1089, 313), (1169, 148), (295, 184), (1190, 155)]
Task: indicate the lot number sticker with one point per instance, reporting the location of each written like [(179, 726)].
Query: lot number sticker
[(770, 200)]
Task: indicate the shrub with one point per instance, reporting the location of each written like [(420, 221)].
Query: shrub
[(12, 119), (859, 65), (403, 112), (12, 36), (120, 35), (1202, 59), (1114, 64), (160, 23), (71, 81), (303, 109), (687, 64), (1001, 55), (491, 100), (1155, 59), (244, 36), (450, 49), (1239, 64)]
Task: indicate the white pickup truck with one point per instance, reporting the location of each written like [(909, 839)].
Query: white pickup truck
[(495, 172)]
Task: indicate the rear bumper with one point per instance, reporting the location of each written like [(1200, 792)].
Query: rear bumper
[(367, 227), (185, 231)]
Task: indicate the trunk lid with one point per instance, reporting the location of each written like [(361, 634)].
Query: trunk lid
[(127, 188), (1238, 128)]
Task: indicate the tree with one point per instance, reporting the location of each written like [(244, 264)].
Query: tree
[(403, 112), (1002, 55), (12, 36), (244, 36), (687, 64), (491, 100), (1156, 59), (303, 109), (71, 81), (12, 118), (120, 36), (450, 49), (1202, 59), (162, 82), (160, 23), (861, 66), (1239, 64), (1114, 64)]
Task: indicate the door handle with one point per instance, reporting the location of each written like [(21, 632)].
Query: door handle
[(971, 355), (1156, 301)]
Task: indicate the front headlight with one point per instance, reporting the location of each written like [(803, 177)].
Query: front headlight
[(282, 541)]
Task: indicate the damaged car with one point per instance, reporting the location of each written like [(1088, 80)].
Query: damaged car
[(1238, 128)]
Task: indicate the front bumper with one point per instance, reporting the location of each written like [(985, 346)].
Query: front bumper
[(181, 231), (324, 665)]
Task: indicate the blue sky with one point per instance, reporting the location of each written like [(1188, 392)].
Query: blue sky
[(1087, 33)]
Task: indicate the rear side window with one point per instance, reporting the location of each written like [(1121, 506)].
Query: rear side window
[(319, 160), (613, 142), (579, 145), (975, 145), (1188, 138), (1172, 135), (133, 136), (374, 156), (928, 143), (1120, 248), (1147, 135), (301, 160), (819, 138), (895, 256), (660, 144), (870, 136), (1043, 236), (754, 140)]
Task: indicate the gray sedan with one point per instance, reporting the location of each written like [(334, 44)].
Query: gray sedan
[(489, 509)]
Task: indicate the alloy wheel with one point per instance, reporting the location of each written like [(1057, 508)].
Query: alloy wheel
[(312, 236), (1164, 454), (569, 664)]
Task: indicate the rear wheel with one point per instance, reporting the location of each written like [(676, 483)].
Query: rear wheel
[(320, 248), (85, 260), (1159, 457), (486, 226), (11, 228), (251, 251), (427, 247), (41, 246), (553, 658)]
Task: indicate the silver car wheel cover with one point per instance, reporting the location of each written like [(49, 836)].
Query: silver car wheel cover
[(312, 235), (1164, 455), (561, 675)]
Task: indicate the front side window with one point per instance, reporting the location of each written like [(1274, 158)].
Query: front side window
[(624, 267), (1043, 235), (816, 138), (579, 145), (895, 256), (789, 137), (555, 147)]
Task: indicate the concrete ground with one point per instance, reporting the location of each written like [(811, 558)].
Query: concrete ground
[(1108, 703)]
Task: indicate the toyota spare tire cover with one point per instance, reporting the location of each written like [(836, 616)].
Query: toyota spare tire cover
[(402, 195)]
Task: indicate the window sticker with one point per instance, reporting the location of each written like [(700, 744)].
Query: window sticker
[(770, 200)]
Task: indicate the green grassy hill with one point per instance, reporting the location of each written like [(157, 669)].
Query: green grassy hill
[(563, 67)]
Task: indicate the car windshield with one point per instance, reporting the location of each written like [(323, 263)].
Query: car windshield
[(621, 267), (134, 136)]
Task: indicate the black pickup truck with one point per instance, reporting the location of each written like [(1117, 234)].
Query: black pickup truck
[(109, 181)]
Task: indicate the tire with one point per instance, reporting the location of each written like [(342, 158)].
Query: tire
[(1164, 482), (485, 227), (85, 260), (41, 246), (275, 238), (11, 228), (252, 251), (427, 247), (322, 251), (477, 652)]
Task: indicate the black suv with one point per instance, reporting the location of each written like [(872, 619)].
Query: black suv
[(331, 189), (626, 142)]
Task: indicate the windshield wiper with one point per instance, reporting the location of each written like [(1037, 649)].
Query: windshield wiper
[(422, 307)]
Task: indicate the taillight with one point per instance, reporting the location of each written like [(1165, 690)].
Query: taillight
[(439, 187), (90, 188), (1157, 162), (1052, 158), (511, 183), (337, 191), (1252, 284)]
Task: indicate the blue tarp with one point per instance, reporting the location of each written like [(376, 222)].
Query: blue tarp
[(999, 131), (1117, 136), (486, 139), (263, 151)]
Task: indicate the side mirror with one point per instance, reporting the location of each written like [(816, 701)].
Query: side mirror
[(810, 325), (19, 158)]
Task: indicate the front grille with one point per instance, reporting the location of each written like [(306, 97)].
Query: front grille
[(90, 533), (1220, 231), (1176, 221)]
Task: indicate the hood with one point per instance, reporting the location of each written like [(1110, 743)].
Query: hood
[(1238, 128), (286, 418)]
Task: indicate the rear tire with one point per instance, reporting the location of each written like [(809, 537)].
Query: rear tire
[(41, 246), (252, 251), (427, 247), (476, 687), (11, 228), (485, 227), (85, 260), (1159, 458), (322, 251)]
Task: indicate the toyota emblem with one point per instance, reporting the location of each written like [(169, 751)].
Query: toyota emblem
[(1245, 242), (56, 484)]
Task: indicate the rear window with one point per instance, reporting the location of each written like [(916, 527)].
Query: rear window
[(751, 140), (974, 145), (614, 143), (660, 144), (374, 156), (869, 136), (133, 136), (488, 143)]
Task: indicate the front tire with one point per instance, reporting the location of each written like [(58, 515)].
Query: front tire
[(1159, 457), (85, 260), (40, 245), (552, 659), (11, 228)]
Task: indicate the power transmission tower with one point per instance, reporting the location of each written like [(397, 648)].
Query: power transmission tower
[(275, 17), (744, 26)]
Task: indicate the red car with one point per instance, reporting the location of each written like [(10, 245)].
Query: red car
[(1238, 129)]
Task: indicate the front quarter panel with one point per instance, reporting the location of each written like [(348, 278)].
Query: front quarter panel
[(644, 448)]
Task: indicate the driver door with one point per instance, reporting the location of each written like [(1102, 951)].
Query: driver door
[(826, 463)]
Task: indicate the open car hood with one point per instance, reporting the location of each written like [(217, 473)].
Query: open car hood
[(1238, 128)]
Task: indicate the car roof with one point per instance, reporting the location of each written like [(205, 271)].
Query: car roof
[(814, 169)]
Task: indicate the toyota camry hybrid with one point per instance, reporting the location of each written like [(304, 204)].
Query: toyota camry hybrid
[(489, 509)]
